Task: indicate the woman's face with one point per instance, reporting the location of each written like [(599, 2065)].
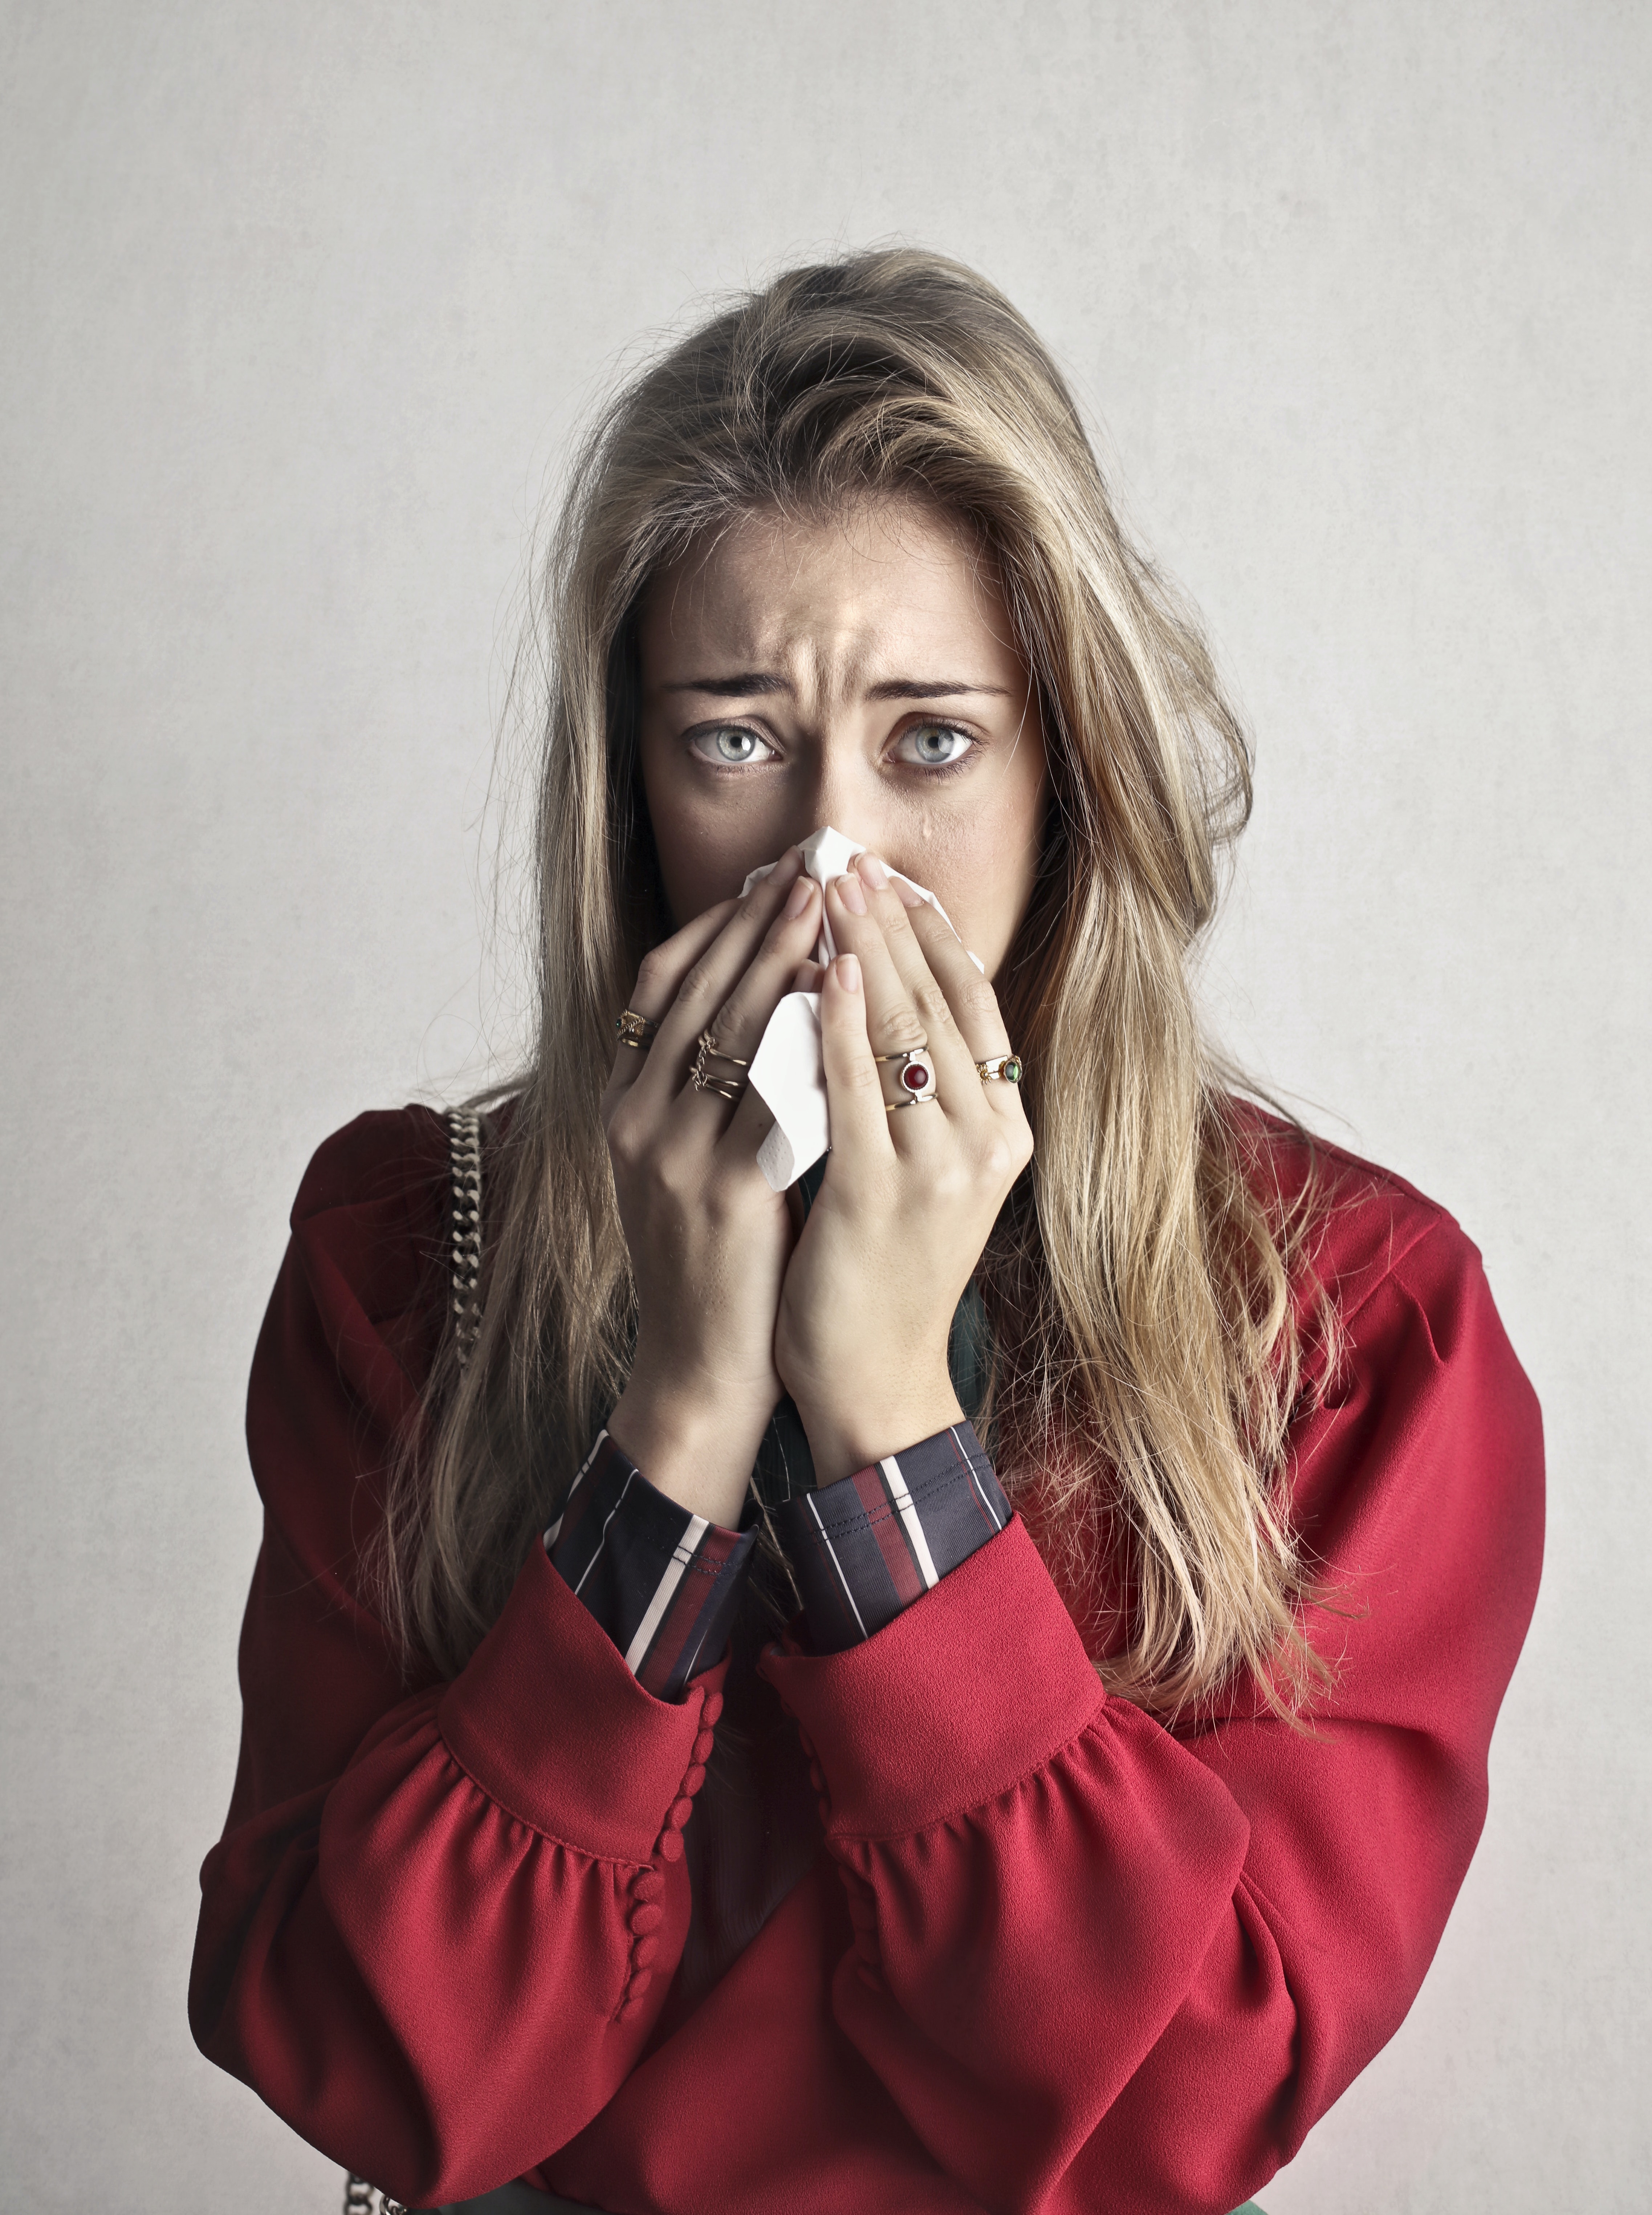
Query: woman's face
[(860, 672)]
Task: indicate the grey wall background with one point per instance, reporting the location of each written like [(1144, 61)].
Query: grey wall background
[(299, 307)]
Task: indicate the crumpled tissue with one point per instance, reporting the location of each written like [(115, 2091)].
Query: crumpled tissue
[(788, 1070)]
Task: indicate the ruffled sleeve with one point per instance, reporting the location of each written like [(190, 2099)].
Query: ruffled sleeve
[(414, 1872), (1097, 1961)]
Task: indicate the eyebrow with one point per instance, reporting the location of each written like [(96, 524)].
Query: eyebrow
[(752, 684)]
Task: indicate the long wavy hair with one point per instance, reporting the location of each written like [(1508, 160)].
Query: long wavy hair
[(1140, 1281)]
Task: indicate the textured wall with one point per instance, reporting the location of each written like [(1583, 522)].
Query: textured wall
[(299, 306)]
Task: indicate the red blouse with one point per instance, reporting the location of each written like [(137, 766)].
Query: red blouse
[(1049, 1955)]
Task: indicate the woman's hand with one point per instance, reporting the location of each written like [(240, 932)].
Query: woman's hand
[(909, 1198), (708, 1241)]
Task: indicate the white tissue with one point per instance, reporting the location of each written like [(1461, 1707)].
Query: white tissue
[(788, 1069)]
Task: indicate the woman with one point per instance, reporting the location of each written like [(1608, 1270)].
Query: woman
[(1071, 1824)]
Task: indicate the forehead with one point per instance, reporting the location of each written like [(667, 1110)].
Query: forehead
[(890, 587)]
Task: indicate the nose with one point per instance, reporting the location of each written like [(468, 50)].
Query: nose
[(848, 795)]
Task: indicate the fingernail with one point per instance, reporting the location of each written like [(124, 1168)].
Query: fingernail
[(850, 893), (910, 895), (799, 897), (874, 871), (849, 972)]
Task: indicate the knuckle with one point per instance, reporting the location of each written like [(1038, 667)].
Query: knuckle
[(934, 1006), (1007, 1149), (673, 1176), (905, 1030), (729, 1025), (977, 1000), (698, 985), (952, 1179), (654, 974), (998, 1162), (624, 1136)]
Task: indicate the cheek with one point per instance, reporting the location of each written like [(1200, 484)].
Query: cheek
[(704, 852), (982, 866)]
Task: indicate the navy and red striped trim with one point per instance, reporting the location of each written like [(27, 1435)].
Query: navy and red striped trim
[(863, 1550), (663, 1582)]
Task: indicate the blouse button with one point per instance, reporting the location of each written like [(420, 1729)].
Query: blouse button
[(647, 1885), (628, 2008), (670, 1848), (701, 1747), (817, 1776), (711, 1708), (678, 1813), (646, 1917), (693, 1779), (825, 1806), (644, 1951), (639, 1983)]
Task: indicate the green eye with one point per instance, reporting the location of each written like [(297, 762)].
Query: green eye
[(935, 746)]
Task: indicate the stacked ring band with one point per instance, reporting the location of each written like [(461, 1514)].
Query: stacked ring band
[(635, 1030), (915, 1075), (1002, 1068), (705, 1080)]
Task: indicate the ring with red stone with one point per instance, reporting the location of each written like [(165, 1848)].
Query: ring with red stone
[(914, 1075)]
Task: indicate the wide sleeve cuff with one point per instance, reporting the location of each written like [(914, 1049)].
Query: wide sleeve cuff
[(863, 1550), (663, 1582), (956, 1701)]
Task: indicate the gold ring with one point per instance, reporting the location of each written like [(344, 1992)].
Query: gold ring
[(710, 1051), (726, 1088), (1003, 1068), (703, 1080), (635, 1030), (915, 1075)]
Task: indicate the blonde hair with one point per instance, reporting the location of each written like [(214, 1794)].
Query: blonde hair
[(1147, 1359)]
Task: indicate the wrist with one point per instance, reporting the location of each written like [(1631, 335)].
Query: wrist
[(844, 1438), (697, 1451)]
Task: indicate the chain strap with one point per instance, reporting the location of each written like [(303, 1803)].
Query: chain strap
[(464, 1248), (361, 2197), (464, 1143)]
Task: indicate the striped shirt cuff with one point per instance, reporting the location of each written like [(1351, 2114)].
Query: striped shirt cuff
[(863, 1550), (663, 1583)]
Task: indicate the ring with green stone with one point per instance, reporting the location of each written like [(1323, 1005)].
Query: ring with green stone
[(1003, 1068)]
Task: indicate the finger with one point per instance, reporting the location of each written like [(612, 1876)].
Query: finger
[(707, 982), (904, 1011), (893, 1022), (974, 1007), (658, 981), (739, 1025), (970, 998), (930, 956), (961, 1011), (860, 1128)]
